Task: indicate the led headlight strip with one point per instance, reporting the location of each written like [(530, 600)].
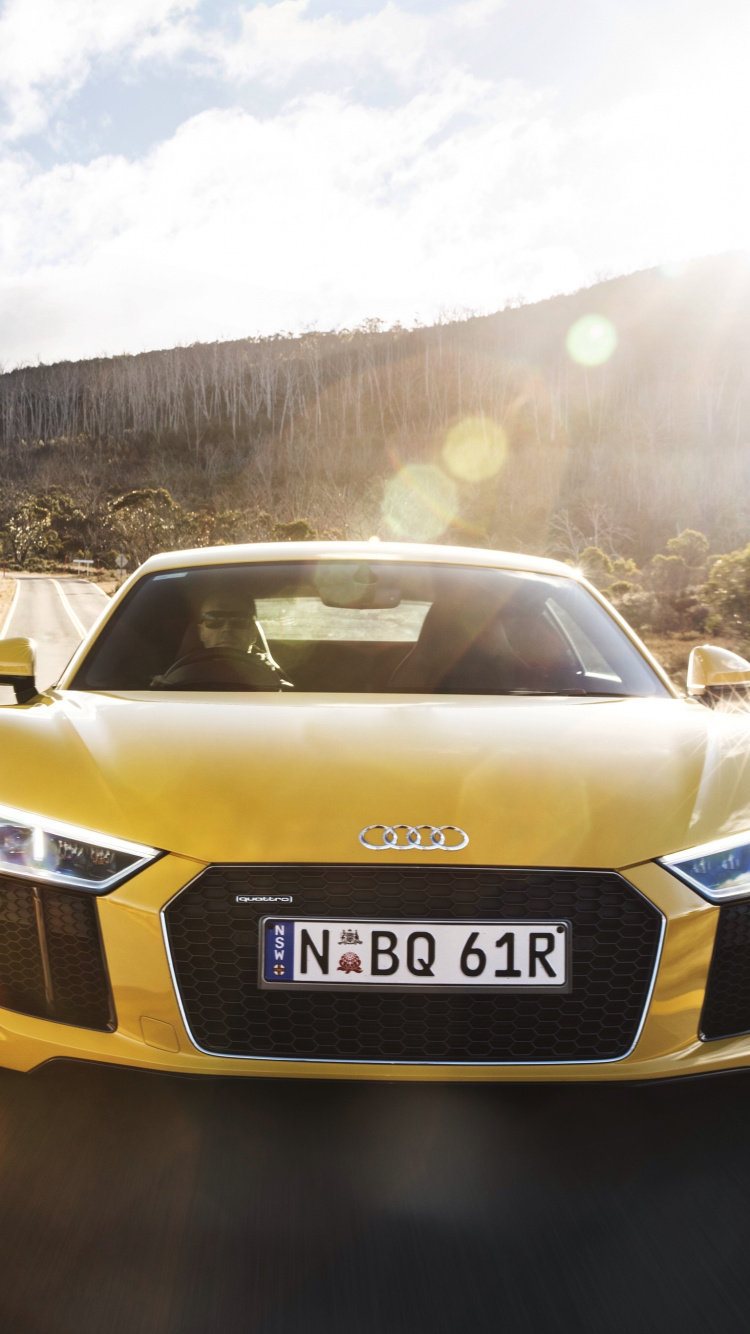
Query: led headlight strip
[(65, 854), (720, 871)]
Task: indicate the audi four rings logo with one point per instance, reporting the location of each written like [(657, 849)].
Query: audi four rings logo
[(413, 837)]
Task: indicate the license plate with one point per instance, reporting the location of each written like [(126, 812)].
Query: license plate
[(362, 953)]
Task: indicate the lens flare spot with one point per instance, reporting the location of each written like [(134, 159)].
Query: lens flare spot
[(420, 502), (475, 449), (591, 340)]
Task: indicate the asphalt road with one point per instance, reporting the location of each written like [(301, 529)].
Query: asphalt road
[(56, 613), (141, 1204)]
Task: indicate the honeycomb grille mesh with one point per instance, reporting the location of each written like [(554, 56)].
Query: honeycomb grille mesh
[(726, 1007), (213, 943), (21, 970), (51, 959)]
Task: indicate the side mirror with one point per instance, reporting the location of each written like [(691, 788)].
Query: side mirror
[(716, 669), (18, 667)]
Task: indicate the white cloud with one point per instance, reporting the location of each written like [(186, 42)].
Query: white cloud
[(331, 212), (324, 214), (279, 41), (459, 193), (47, 48)]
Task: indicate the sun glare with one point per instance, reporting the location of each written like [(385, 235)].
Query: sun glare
[(475, 449), (591, 340), (420, 502)]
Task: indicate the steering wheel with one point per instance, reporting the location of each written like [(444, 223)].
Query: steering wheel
[(214, 668)]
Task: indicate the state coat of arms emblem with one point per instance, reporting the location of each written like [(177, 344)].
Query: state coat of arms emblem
[(350, 936)]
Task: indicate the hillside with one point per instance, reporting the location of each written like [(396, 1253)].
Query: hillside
[(505, 438)]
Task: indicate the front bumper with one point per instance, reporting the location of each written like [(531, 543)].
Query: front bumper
[(151, 1034)]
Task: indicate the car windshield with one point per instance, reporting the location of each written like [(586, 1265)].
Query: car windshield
[(374, 626)]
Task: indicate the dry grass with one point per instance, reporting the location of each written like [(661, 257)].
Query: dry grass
[(107, 583), (673, 651)]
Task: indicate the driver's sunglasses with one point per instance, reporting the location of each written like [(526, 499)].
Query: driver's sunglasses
[(215, 620)]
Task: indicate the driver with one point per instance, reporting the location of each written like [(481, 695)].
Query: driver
[(231, 653)]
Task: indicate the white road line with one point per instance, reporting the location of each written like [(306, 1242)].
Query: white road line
[(98, 588), (11, 609), (80, 628)]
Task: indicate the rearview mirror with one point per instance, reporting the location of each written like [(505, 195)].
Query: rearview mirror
[(18, 667), (341, 584), (711, 668)]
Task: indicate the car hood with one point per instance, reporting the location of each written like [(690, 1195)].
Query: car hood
[(532, 781)]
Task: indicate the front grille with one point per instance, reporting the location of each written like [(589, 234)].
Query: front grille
[(726, 1006), (213, 943), (51, 958)]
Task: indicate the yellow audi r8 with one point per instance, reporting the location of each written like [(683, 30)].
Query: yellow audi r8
[(373, 811)]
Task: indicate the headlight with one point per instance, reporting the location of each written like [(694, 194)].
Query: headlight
[(720, 871), (65, 854)]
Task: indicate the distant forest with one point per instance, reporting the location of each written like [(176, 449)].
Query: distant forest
[(485, 431)]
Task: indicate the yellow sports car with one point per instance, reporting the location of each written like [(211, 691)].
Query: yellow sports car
[(373, 811)]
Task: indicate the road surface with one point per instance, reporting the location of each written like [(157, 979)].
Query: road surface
[(56, 613), (143, 1204)]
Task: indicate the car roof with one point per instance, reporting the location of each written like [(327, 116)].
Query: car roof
[(367, 550)]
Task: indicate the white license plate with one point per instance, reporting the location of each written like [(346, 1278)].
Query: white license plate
[(363, 953)]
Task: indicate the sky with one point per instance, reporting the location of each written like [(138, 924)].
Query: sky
[(174, 171)]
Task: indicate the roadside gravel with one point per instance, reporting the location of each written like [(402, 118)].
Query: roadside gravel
[(7, 589)]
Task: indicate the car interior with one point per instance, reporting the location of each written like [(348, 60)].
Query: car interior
[(374, 627)]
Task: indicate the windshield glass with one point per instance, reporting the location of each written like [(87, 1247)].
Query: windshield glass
[(371, 626)]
